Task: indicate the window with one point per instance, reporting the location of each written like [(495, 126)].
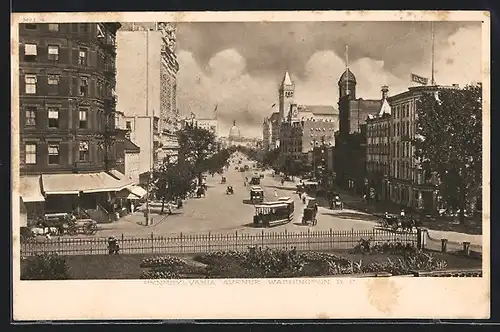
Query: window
[(84, 86), (30, 52), (53, 84), (83, 119), (30, 83), (53, 52), (53, 118), (83, 150), (53, 153), (85, 27), (30, 26), (128, 125), (31, 116), (30, 155), (53, 27), (82, 57)]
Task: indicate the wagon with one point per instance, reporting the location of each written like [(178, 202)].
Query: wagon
[(82, 226)]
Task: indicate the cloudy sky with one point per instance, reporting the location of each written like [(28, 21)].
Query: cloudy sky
[(239, 66)]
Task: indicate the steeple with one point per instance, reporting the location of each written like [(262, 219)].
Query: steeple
[(286, 79)]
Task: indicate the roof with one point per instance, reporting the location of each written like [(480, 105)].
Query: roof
[(271, 205), (286, 79), (275, 116), (131, 146), (256, 188), (385, 108), (320, 109), (347, 76)]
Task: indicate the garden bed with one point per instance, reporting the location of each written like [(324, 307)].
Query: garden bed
[(262, 263)]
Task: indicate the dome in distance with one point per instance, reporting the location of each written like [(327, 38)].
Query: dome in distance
[(347, 76), (234, 133)]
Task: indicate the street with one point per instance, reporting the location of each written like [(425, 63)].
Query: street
[(218, 212)]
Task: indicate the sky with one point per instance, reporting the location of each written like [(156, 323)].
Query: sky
[(239, 66)]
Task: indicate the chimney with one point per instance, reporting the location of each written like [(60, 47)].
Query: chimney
[(385, 92)]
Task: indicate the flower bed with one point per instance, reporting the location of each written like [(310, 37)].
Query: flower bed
[(283, 263)]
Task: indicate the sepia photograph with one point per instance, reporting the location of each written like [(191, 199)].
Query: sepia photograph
[(255, 151)]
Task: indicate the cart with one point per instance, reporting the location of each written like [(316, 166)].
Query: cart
[(82, 226)]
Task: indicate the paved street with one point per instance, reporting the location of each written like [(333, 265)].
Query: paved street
[(221, 213)]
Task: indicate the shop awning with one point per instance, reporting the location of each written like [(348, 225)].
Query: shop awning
[(68, 184), (29, 189), (137, 191), (125, 181)]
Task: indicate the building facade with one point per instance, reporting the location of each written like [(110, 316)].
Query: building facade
[(378, 152), (410, 185), (210, 124), (266, 134), (149, 87), (67, 107), (351, 141)]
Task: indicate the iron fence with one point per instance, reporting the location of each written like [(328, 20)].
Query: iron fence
[(202, 243)]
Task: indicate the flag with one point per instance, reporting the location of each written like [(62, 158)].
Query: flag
[(419, 79), (215, 110)]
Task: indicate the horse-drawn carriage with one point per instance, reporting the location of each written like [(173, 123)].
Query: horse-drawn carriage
[(229, 190), (223, 180), (200, 192), (256, 194), (396, 222), (64, 223), (334, 201), (310, 212)]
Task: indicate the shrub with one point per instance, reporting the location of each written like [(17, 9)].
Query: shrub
[(45, 267), (163, 261)]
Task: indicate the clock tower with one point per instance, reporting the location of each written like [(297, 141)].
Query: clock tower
[(286, 96)]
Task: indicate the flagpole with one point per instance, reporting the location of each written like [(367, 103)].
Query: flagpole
[(347, 69), (432, 60)]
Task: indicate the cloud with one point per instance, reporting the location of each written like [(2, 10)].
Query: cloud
[(239, 66)]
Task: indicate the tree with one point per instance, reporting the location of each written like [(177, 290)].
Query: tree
[(172, 181), (271, 157), (196, 147), (449, 142), (218, 161)]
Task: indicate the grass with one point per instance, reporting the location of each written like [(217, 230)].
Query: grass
[(127, 266)]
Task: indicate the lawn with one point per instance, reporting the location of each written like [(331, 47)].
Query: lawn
[(129, 266)]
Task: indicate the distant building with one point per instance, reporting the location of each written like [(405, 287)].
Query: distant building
[(128, 161), (148, 87), (303, 127), (210, 124), (275, 124), (266, 134), (67, 123)]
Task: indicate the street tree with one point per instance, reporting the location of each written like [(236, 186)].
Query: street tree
[(449, 143), (172, 181), (196, 147), (271, 158), (219, 161)]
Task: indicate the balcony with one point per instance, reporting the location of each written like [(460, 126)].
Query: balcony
[(108, 44), (109, 70)]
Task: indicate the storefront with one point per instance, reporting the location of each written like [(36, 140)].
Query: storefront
[(31, 194)]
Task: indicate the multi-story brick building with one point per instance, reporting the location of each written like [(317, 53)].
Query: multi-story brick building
[(350, 141), (67, 116), (378, 152), (303, 127), (149, 87), (409, 184)]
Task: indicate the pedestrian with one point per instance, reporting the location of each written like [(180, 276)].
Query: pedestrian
[(132, 207), (276, 194)]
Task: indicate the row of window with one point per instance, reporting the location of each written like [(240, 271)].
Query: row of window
[(31, 53), (53, 153), (32, 114), (399, 149), (398, 129), (53, 80), (403, 110), (82, 28)]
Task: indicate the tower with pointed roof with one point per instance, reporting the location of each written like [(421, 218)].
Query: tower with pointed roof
[(347, 84), (286, 95)]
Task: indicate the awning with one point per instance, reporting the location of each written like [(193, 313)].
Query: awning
[(125, 181), (68, 184), (137, 191), (29, 189)]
